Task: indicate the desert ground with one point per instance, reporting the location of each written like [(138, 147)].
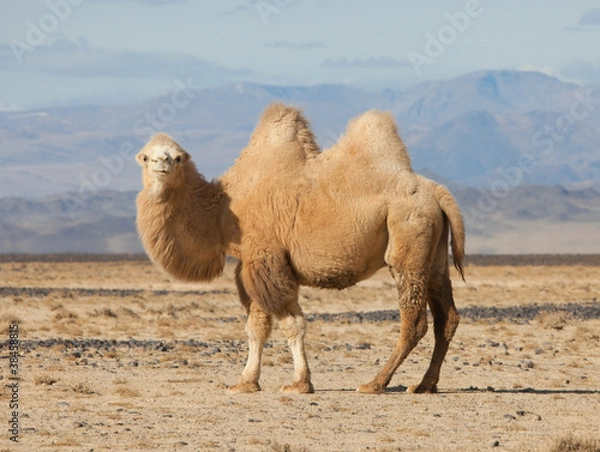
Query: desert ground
[(116, 356)]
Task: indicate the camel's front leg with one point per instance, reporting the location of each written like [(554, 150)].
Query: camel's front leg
[(258, 327), (293, 324), (268, 280)]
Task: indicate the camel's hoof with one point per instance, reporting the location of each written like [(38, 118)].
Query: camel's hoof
[(300, 387), (244, 388), (371, 388), (422, 389)]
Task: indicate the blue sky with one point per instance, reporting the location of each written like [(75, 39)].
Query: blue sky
[(62, 52)]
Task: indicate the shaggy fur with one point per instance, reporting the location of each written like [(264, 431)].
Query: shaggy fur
[(295, 216), (179, 220)]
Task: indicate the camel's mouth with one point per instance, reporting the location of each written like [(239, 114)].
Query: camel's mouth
[(162, 168)]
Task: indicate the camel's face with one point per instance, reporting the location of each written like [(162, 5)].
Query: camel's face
[(162, 161)]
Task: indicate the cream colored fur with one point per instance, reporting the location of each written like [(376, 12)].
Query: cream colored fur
[(295, 216)]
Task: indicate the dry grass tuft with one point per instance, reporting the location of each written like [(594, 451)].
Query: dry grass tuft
[(11, 319), (44, 380), (64, 314), (285, 359), (571, 444), (129, 313), (126, 392), (106, 312), (111, 354), (67, 442), (554, 320), (585, 335), (82, 388), (276, 447)]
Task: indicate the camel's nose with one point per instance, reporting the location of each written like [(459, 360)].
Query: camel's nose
[(163, 164), (166, 158)]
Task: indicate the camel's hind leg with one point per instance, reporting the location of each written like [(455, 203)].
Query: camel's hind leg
[(258, 328), (413, 325), (445, 322), (293, 324)]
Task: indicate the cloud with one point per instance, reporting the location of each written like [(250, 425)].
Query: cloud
[(547, 70), (259, 7), (584, 72), (590, 17), (77, 59), (296, 45), (143, 2), (588, 22), (243, 7), (371, 62)]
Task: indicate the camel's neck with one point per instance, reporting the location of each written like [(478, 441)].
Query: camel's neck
[(182, 228)]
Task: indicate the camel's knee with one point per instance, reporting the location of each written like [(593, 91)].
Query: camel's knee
[(412, 288), (451, 324), (413, 327), (259, 324), (421, 326), (293, 326)]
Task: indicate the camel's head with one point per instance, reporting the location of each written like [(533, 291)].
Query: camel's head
[(162, 160)]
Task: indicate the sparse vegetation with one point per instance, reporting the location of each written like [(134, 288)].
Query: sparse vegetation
[(125, 384), (572, 444), (276, 447), (554, 320), (82, 388), (126, 392), (44, 380)]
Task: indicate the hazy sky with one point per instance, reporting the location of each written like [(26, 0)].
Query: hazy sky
[(59, 52)]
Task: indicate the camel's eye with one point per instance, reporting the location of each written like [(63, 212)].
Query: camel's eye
[(145, 158), (178, 159)]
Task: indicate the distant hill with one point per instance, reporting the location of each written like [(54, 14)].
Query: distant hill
[(526, 219), (469, 130), (103, 223)]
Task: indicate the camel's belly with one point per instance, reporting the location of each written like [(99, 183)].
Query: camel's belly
[(338, 241), (335, 280), (339, 264)]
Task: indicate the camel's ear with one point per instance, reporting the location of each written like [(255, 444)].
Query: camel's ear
[(141, 158)]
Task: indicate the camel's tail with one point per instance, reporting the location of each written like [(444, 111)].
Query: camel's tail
[(457, 227)]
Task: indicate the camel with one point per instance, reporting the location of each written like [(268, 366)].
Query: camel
[(292, 215)]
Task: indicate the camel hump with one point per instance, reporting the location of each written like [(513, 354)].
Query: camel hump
[(457, 228), (281, 125), (376, 132)]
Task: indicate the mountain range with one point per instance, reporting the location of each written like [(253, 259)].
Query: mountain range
[(469, 130), (519, 150), (526, 219)]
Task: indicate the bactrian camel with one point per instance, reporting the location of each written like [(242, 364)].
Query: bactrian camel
[(292, 215)]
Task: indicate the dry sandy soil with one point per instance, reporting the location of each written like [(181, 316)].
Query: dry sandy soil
[(117, 356)]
